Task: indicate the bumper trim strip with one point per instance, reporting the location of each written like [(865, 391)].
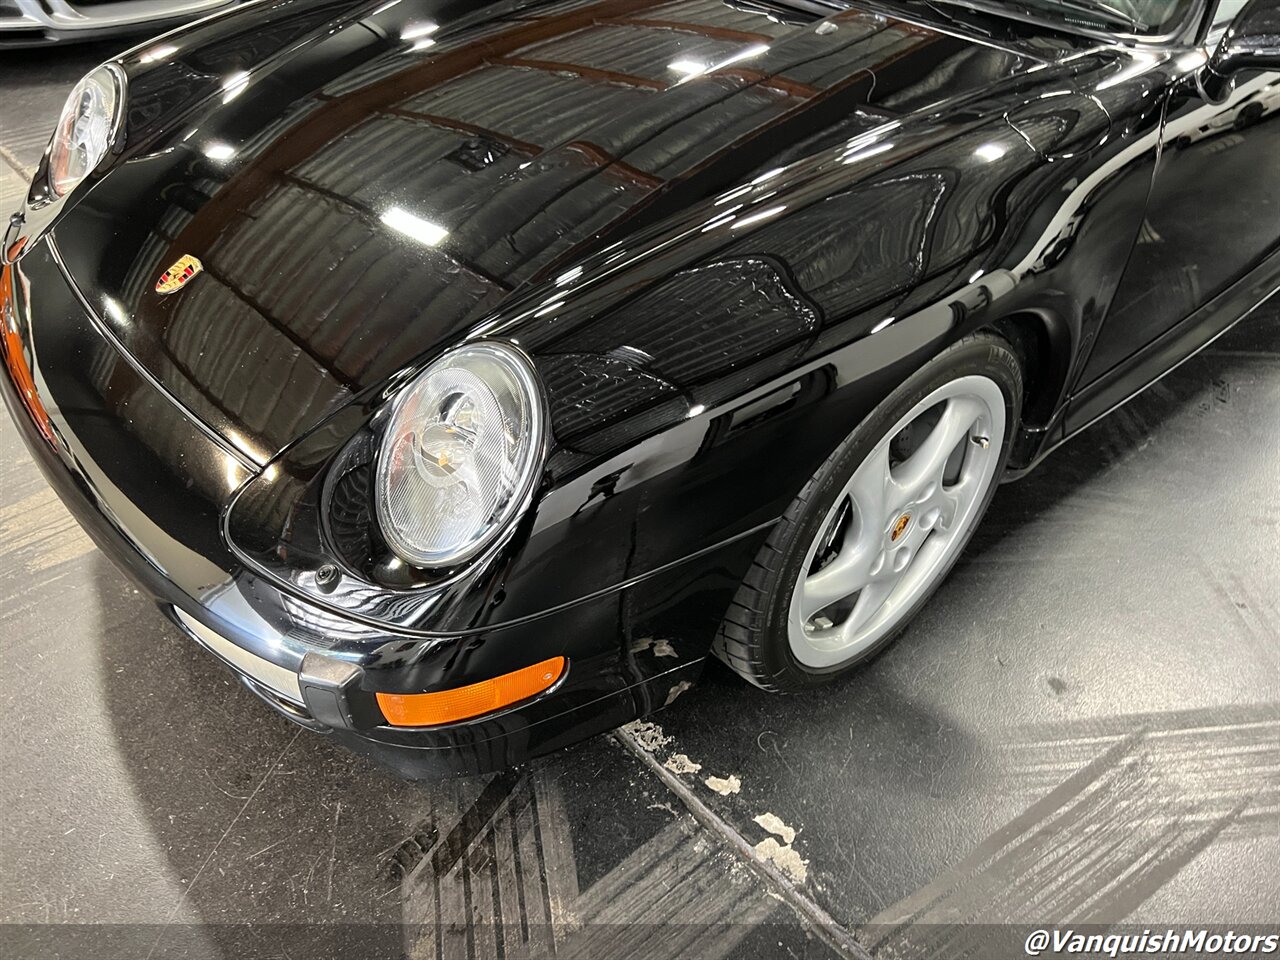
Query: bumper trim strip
[(278, 679)]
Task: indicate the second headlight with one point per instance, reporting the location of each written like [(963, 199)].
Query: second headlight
[(87, 128), (460, 455)]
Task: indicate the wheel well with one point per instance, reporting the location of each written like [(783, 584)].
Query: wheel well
[(1043, 345)]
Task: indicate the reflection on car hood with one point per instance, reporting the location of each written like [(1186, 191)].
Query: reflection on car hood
[(360, 187)]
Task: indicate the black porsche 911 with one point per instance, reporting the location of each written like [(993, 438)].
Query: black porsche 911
[(464, 374)]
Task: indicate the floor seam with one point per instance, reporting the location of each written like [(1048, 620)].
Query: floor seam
[(825, 925), (18, 166)]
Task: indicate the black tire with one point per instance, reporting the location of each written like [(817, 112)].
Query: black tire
[(1250, 115), (753, 639)]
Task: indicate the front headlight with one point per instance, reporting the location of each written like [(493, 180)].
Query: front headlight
[(87, 128), (460, 455)]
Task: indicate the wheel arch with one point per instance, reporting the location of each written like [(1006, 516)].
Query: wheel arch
[(1043, 342)]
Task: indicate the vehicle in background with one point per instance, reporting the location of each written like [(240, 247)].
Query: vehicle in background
[(32, 23)]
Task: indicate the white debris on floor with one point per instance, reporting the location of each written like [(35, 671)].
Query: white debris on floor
[(647, 736), (678, 689), (660, 648), (781, 855), (728, 785), (784, 858), (650, 738), (773, 823), (679, 763)]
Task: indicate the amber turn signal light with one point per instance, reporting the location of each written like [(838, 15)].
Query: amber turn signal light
[(462, 703), (15, 360)]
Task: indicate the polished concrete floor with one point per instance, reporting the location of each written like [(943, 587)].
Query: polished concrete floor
[(1084, 728)]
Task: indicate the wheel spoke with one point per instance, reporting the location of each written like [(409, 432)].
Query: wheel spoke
[(948, 505), (844, 576), (870, 602), (930, 460), (870, 488), (850, 570), (921, 565)]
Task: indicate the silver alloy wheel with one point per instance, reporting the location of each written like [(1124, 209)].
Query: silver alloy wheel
[(897, 526)]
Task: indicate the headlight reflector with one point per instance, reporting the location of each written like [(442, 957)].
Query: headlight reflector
[(460, 455), (86, 128)]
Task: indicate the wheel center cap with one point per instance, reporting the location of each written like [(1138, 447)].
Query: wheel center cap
[(899, 528)]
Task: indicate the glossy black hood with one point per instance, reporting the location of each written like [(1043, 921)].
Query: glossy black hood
[(364, 182)]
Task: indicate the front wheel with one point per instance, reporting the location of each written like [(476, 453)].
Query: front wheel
[(879, 526)]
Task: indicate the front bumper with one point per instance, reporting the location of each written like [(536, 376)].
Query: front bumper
[(39, 22), (150, 486)]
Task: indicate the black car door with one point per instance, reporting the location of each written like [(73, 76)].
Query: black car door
[(1214, 210)]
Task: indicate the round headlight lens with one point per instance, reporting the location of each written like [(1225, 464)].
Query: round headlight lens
[(460, 455), (85, 129)]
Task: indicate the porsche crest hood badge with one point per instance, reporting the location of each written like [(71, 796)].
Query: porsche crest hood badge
[(178, 275)]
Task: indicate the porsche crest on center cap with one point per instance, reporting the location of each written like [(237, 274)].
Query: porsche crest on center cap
[(179, 275), (899, 528)]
